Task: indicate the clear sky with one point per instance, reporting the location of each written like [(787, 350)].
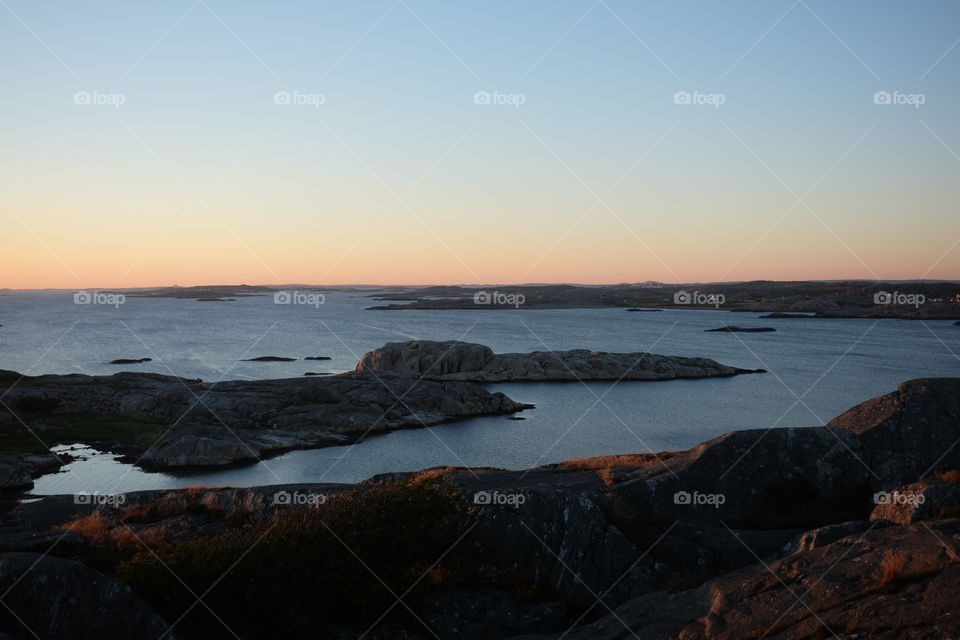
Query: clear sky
[(144, 143)]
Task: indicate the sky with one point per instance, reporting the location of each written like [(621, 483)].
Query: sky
[(411, 142)]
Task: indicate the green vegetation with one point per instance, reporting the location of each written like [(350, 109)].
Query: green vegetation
[(69, 429)]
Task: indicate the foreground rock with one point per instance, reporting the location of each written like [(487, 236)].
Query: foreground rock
[(166, 422), (52, 598), (716, 542), (888, 583), (17, 470), (477, 363)]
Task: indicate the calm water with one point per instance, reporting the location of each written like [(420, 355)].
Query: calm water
[(829, 364)]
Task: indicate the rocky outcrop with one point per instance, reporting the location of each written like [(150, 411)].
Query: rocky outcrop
[(888, 583), (735, 329), (17, 470), (477, 363), (52, 598), (909, 433), (216, 424), (130, 360)]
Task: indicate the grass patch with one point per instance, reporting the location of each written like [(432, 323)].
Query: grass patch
[(69, 429)]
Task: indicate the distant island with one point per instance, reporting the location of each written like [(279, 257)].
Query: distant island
[(844, 299)]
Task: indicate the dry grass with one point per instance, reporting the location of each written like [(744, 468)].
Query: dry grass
[(101, 530), (950, 477), (580, 463), (892, 568)]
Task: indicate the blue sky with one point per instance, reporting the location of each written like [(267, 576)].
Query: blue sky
[(200, 173)]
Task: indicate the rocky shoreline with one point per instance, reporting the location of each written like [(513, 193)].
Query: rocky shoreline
[(161, 422), (787, 533)]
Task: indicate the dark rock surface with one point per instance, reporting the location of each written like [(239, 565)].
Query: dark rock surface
[(52, 598), (909, 433), (130, 361), (270, 359), (217, 424), (477, 363), (735, 329)]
